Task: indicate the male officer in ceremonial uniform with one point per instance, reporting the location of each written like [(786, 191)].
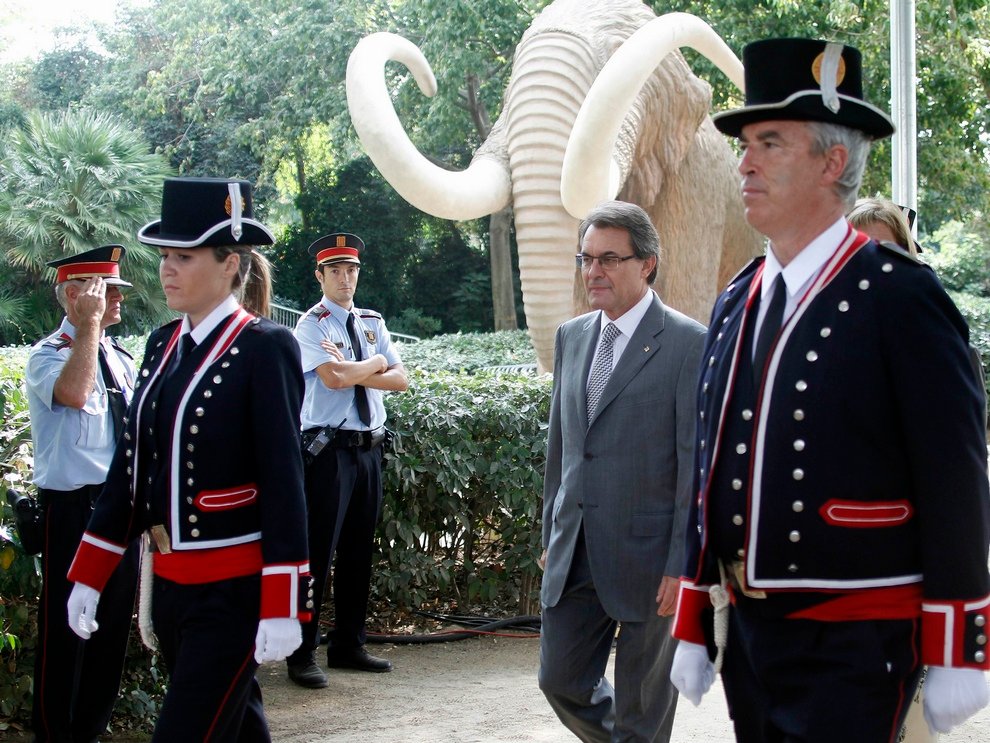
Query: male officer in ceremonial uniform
[(348, 361), (841, 479), (79, 382)]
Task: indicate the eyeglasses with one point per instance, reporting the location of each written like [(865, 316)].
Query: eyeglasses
[(607, 262)]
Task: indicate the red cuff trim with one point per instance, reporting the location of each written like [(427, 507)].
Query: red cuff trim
[(954, 633), (285, 591), (95, 561), (209, 565), (692, 601)]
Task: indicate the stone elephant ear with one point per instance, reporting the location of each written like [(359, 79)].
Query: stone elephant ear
[(676, 104)]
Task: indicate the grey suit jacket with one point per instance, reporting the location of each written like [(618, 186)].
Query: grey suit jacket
[(625, 476)]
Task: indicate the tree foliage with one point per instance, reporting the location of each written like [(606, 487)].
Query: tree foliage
[(70, 182), (953, 91)]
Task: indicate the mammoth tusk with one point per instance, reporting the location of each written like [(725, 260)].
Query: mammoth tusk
[(483, 188), (590, 174)]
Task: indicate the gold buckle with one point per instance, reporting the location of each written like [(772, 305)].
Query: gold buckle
[(737, 577)]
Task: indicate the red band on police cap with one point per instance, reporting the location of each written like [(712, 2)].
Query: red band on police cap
[(106, 270), (335, 252)]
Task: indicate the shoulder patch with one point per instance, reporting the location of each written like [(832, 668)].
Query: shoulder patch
[(317, 312), (58, 342), (368, 314)]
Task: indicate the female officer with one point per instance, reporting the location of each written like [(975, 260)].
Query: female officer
[(210, 468)]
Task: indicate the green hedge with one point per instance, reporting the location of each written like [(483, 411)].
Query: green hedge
[(460, 520)]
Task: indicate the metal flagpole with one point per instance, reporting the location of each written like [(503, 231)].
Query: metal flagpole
[(903, 104)]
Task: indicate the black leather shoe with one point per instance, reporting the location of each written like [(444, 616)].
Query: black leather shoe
[(357, 658), (308, 675)]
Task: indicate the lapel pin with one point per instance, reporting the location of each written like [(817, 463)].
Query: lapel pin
[(646, 349)]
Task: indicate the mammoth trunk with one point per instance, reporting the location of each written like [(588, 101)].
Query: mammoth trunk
[(552, 74)]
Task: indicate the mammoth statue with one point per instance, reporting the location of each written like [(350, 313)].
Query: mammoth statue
[(663, 153)]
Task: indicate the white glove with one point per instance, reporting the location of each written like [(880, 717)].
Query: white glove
[(691, 672), (276, 639), (82, 610), (953, 695)]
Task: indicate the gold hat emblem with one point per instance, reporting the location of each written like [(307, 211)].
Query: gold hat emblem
[(227, 205), (115, 255), (816, 70), (341, 241)]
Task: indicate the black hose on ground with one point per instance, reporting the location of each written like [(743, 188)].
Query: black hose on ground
[(524, 626)]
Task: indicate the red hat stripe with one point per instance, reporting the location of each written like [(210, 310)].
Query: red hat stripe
[(72, 271), (325, 255)]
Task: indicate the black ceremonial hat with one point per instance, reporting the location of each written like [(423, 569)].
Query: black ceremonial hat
[(103, 262), (206, 212), (340, 247), (804, 80)]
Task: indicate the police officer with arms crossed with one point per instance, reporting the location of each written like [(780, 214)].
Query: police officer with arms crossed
[(348, 361), (79, 381)]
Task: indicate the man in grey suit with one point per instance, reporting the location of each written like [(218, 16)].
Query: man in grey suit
[(617, 488)]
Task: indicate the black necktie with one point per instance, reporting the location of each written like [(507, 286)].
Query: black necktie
[(186, 346), (360, 393), (771, 325), (115, 395)]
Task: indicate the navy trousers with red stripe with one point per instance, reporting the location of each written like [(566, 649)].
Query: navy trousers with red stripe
[(806, 681), (75, 681), (206, 634)]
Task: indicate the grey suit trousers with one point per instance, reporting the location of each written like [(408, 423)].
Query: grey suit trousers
[(575, 643)]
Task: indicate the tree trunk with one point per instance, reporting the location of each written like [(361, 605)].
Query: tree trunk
[(499, 251), (500, 254)]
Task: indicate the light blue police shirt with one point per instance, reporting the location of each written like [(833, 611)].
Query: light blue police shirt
[(72, 447), (323, 406)]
